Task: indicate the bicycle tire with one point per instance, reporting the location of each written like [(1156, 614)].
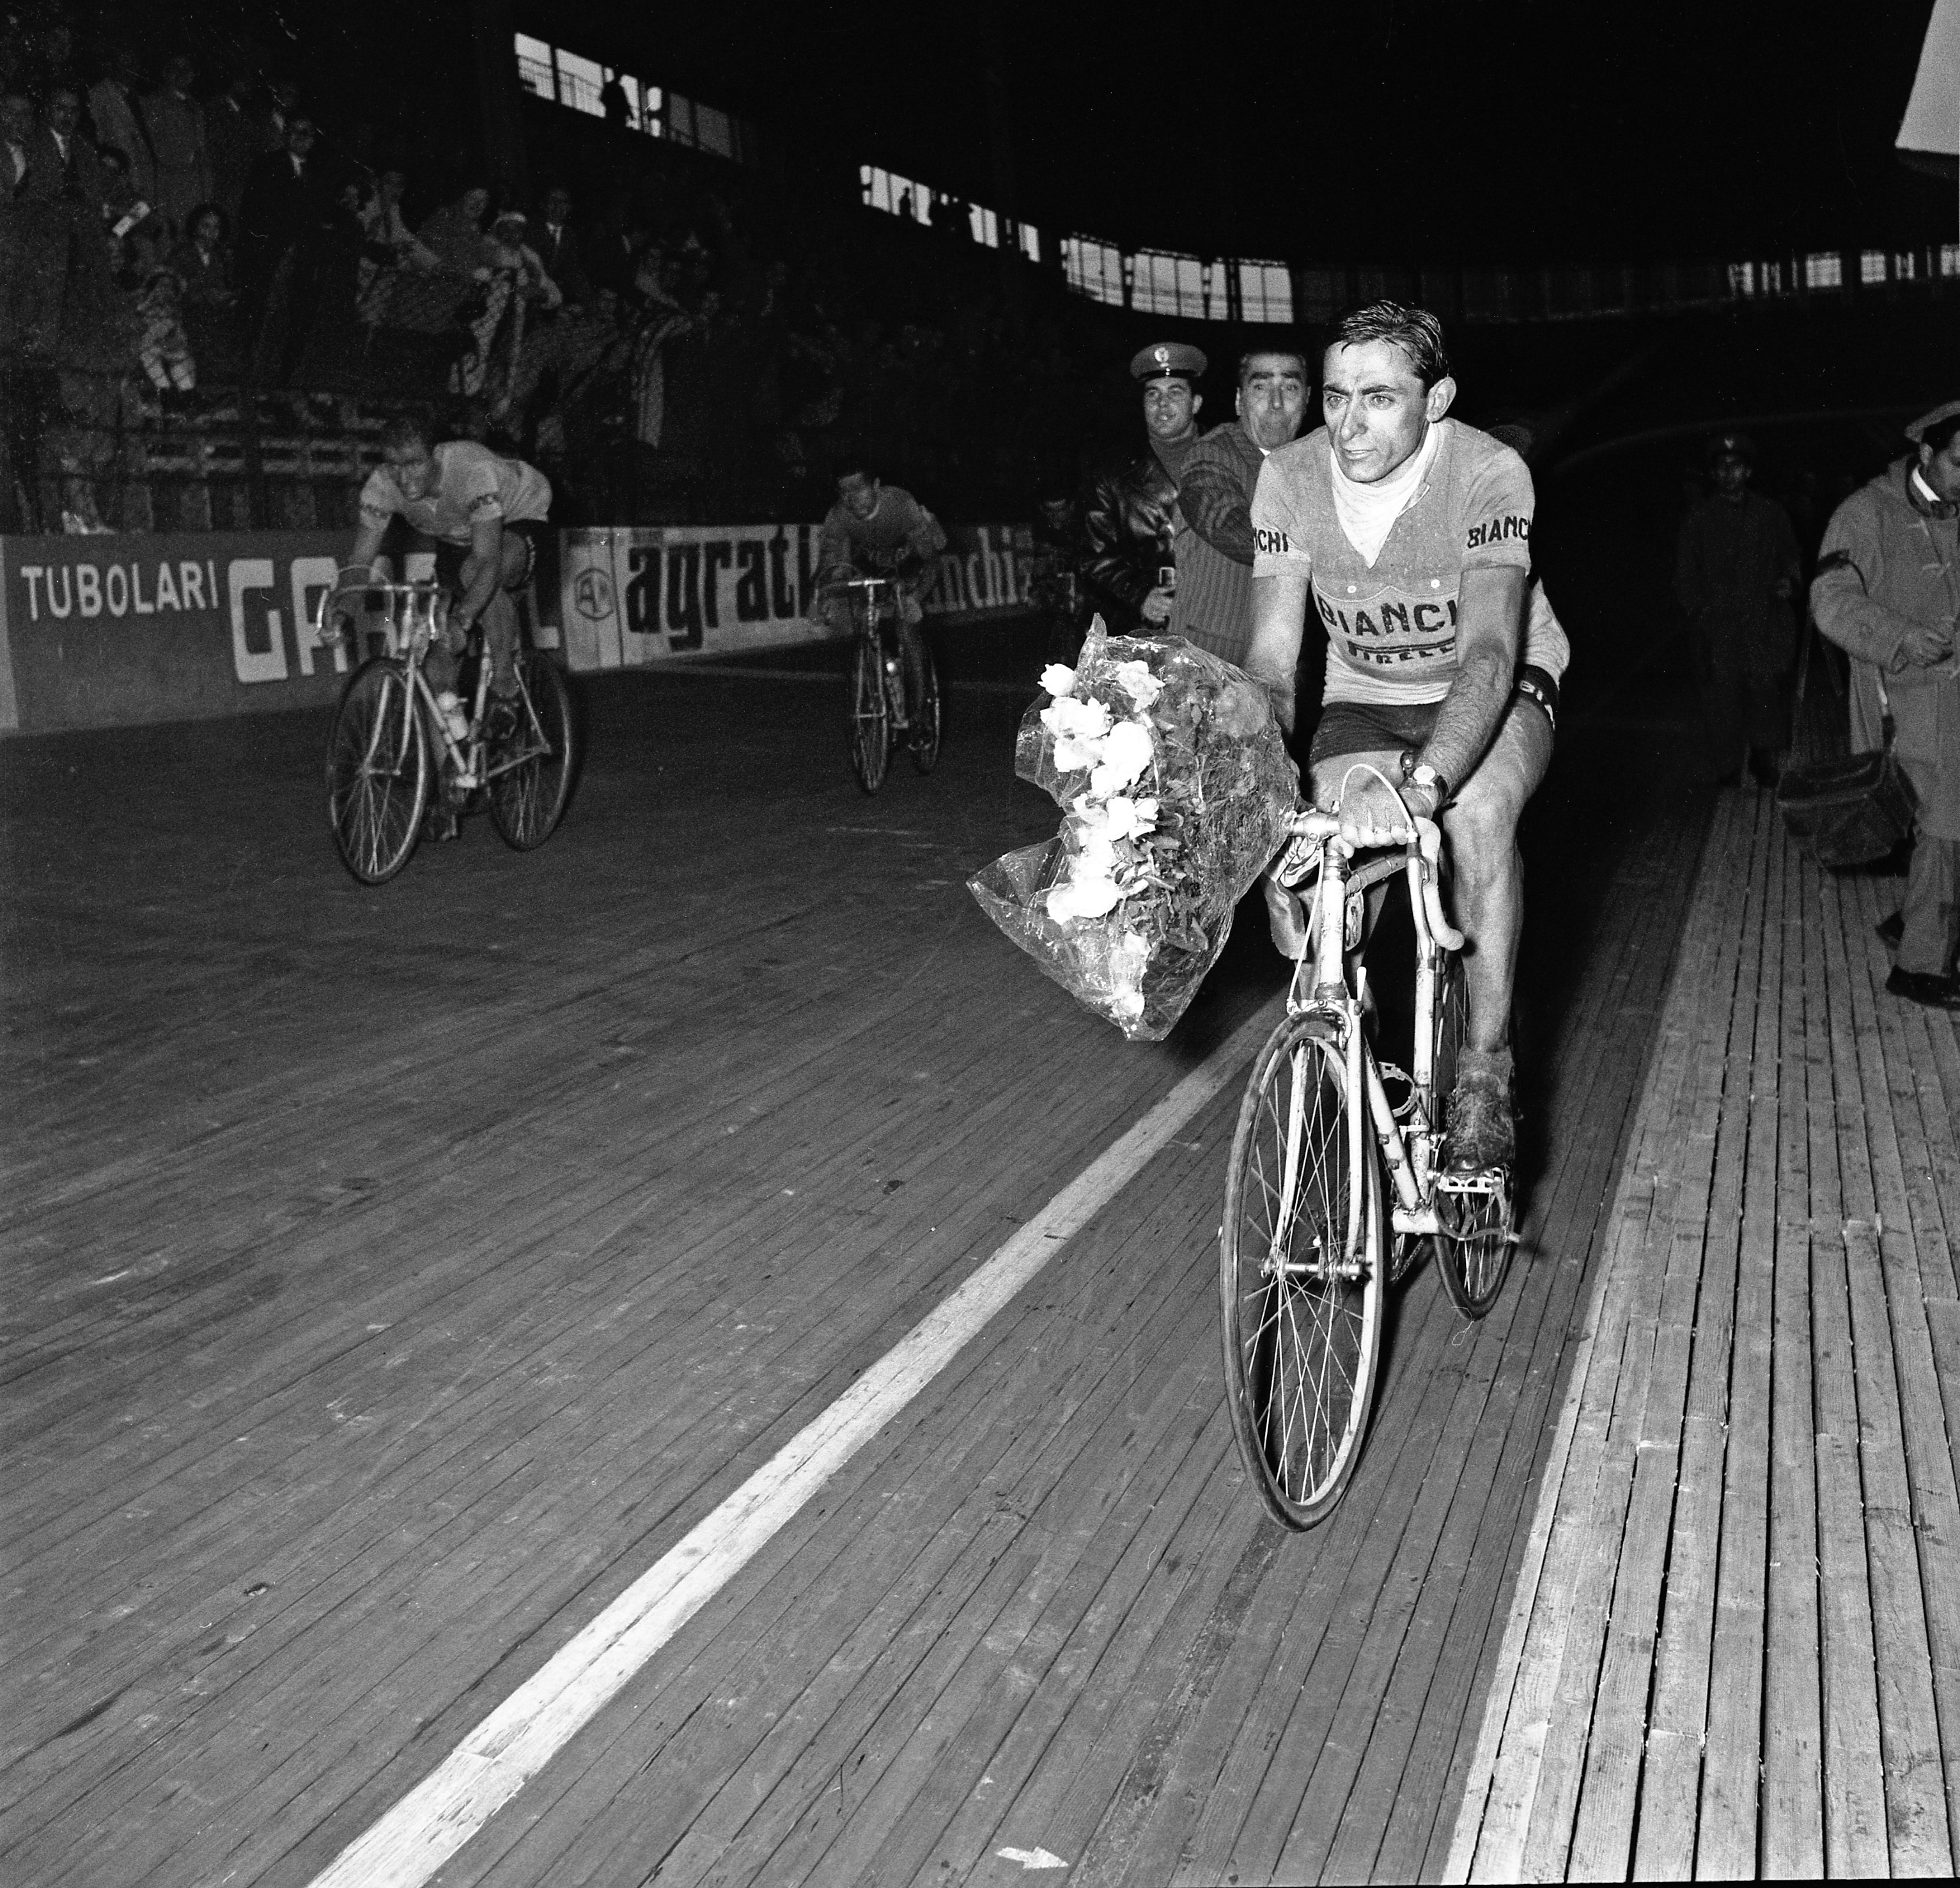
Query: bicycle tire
[(926, 723), (871, 727), (378, 772), (527, 801), (1301, 1348), (1473, 1253)]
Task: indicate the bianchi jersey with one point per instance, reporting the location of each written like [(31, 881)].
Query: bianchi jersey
[(471, 484), (1392, 625)]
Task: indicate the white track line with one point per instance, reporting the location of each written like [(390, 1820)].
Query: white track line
[(406, 1847)]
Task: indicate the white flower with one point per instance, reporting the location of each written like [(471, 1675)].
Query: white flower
[(1119, 817), (1083, 896), (1058, 680), (1073, 754), (1094, 852), (1088, 719), (1078, 727), (1135, 679), (1126, 752)]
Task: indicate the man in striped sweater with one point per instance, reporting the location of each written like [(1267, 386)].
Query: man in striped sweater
[(1213, 606)]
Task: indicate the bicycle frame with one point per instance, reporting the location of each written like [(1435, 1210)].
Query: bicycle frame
[(1338, 989), (413, 616)]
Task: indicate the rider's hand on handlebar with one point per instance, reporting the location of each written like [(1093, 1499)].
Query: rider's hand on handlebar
[(1372, 815), (1156, 606), (336, 626)]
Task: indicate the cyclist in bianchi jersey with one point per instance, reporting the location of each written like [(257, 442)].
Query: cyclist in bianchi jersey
[(485, 513), (1407, 535)]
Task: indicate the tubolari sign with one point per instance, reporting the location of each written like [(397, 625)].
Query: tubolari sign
[(107, 631), (634, 595)]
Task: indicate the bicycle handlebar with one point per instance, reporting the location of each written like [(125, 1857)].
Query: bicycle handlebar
[(420, 590), (1322, 828)]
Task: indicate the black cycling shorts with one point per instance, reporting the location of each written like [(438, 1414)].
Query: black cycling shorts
[(1369, 727), (527, 531)]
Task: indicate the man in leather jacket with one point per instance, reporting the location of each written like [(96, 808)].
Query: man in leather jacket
[(1130, 511)]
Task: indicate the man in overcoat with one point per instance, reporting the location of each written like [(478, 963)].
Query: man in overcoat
[(1887, 591), (1736, 569)]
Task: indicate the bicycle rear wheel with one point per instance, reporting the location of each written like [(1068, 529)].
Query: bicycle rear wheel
[(1301, 1327), (1473, 1251), (925, 722), (871, 727), (527, 801), (377, 772)]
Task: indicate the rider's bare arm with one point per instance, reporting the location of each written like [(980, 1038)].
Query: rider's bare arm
[(367, 545), (1491, 609), (1279, 617), (486, 568)]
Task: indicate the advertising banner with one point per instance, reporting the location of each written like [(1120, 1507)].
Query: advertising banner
[(634, 595), (103, 632)]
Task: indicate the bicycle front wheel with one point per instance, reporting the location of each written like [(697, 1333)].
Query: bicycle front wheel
[(871, 727), (1301, 1320), (377, 772), (1473, 1250), (527, 800), (925, 722)]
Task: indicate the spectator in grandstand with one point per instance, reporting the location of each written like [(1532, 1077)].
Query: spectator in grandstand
[(613, 104), (50, 62), (16, 133), (288, 228), (238, 131), (1129, 516), (1736, 569), (389, 245), (1213, 606), (39, 214), (203, 263), (163, 350), (590, 397), (116, 110), (516, 284), (1887, 577), (558, 248), (176, 122)]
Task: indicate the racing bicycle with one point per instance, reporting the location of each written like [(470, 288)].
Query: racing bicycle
[(1337, 1185), (393, 762), (878, 714)]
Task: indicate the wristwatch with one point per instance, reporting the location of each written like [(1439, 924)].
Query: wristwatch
[(1419, 773)]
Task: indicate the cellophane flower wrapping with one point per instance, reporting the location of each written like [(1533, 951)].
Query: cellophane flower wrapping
[(1176, 788)]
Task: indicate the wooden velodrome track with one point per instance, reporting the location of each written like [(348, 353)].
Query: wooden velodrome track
[(395, 1276)]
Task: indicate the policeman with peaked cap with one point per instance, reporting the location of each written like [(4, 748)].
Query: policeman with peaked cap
[(1130, 511), (1736, 570), (1887, 591)]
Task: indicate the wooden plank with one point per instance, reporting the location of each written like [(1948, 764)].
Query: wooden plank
[(1854, 1803), (1725, 1808), (1492, 1826), (1446, 1766), (1791, 1842), (1647, 1361), (1668, 1780), (1907, 1467)]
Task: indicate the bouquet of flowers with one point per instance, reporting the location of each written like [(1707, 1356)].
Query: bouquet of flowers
[(1177, 788)]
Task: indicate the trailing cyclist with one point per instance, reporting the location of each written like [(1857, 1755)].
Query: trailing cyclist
[(1409, 534), (875, 529)]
